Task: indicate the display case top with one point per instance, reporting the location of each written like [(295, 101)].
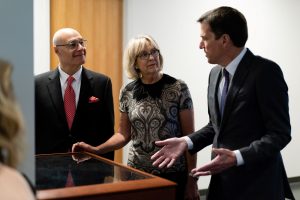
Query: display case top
[(78, 169)]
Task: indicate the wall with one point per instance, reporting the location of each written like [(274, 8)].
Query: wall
[(16, 39), (41, 36), (274, 30), (273, 33)]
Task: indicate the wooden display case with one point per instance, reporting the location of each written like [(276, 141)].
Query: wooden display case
[(89, 177)]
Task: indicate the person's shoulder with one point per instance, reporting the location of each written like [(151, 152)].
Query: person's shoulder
[(172, 80), (13, 185), (45, 75), (265, 66), (266, 61), (262, 67), (89, 73), (169, 79), (131, 85), (258, 60)]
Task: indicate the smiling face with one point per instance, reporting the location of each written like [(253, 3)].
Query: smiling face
[(69, 58)]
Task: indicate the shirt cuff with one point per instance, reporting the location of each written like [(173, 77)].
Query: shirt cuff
[(189, 142), (239, 158)]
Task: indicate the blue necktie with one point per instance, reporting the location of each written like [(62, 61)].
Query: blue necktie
[(225, 90)]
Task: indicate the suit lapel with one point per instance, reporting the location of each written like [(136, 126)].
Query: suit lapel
[(237, 82), (55, 94), (213, 104), (85, 91)]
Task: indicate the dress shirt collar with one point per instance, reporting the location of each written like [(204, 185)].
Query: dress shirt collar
[(231, 67), (64, 76)]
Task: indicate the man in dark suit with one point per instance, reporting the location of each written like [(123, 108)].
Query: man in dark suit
[(249, 120), (92, 120)]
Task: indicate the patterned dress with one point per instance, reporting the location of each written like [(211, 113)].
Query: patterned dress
[(153, 110)]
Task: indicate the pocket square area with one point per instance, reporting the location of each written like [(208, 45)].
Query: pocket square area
[(93, 99)]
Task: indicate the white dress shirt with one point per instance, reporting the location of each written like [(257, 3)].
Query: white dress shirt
[(231, 68), (76, 83)]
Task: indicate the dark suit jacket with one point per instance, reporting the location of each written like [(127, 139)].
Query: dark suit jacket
[(256, 122), (93, 122)]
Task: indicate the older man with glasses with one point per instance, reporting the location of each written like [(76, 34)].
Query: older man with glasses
[(72, 103)]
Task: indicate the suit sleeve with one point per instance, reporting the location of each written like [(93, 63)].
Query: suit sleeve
[(205, 135), (202, 138), (272, 97)]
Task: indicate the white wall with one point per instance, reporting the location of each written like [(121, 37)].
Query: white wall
[(41, 36), (274, 31)]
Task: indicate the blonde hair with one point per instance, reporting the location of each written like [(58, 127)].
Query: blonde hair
[(11, 120), (134, 47)]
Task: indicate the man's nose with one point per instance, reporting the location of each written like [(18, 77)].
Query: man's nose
[(201, 45)]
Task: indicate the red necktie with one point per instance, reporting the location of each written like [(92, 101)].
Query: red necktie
[(70, 102), (69, 181)]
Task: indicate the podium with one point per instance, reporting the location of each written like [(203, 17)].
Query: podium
[(90, 177)]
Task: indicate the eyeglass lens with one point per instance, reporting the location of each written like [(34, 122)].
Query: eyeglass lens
[(145, 55), (74, 44)]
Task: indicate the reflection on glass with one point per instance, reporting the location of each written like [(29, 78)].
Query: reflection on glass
[(80, 157), (65, 170)]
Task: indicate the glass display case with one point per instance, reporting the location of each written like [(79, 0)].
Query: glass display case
[(88, 176)]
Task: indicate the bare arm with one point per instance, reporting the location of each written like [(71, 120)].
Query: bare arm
[(117, 141)]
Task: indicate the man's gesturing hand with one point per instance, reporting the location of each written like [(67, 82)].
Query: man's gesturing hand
[(171, 149), (224, 159)]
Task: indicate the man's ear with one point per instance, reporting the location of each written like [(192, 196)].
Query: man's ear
[(225, 38), (56, 50)]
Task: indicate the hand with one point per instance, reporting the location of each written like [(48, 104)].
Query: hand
[(224, 159), (82, 146), (78, 157), (171, 149)]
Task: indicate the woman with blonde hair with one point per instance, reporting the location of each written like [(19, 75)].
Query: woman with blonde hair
[(154, 106), (13, 185)]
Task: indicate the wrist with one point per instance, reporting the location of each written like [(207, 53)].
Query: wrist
[(188, 142)]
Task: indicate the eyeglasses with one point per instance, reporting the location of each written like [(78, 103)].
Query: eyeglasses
[(144, 55), (74, 44)]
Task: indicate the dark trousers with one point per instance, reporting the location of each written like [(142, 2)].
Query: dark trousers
[(181, 179)]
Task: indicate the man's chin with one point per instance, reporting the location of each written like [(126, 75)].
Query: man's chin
[(211, 61), (81, 60)]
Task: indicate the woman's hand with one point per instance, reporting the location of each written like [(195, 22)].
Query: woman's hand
[(82, 146)]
